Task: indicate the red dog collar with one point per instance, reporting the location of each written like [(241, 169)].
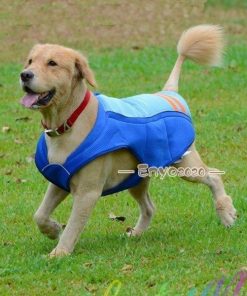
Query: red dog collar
[(70, 121)]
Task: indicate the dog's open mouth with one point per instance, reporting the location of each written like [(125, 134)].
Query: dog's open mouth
[(36, 100)]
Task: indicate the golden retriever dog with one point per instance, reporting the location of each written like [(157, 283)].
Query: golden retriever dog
[(55, 81)]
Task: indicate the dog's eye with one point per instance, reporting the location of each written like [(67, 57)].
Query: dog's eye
[(52, 63), (30, 62)]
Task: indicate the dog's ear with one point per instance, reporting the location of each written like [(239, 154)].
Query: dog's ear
[(83, 69)]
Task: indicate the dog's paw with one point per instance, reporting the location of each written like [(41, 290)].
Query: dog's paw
[(59, 252), (54, 230), (226, 211), (132, 232)]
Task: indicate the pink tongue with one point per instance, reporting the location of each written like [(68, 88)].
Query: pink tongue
[(29, 99)]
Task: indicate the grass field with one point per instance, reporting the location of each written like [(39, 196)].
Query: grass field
[(186, 247)]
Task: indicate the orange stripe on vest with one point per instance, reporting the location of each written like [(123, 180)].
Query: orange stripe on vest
[(169, 100), (174, 102)]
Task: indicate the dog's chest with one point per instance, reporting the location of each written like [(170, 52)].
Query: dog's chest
[(59, 149)]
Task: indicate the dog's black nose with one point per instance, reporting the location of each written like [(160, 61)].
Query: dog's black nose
[(26, 75)]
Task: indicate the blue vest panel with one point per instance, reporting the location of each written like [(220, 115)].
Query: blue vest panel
[(145, 124)]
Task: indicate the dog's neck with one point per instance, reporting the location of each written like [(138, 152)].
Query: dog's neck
[(54, 116), (68, 141)]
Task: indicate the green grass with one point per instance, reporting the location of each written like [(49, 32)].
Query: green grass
[(186, 246), (227, 4)]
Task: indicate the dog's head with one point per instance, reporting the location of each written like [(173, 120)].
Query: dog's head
[(50, 75)]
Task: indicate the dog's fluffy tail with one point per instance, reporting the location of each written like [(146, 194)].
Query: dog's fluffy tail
[(202, 44)]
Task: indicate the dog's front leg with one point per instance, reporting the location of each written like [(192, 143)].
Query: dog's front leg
[(82, 207), (86, 188), (53, 197)]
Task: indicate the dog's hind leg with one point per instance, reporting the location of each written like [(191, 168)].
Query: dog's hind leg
[(223, 202), (53, 197), (141, 195)]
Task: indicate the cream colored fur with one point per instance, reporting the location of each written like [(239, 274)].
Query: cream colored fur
[(202, 44)]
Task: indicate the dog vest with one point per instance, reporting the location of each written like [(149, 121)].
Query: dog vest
[(156, 128)]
